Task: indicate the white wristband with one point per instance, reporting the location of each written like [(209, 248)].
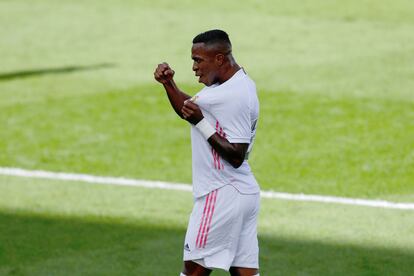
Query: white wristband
[(205, 128)]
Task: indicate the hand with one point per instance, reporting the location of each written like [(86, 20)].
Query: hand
[(163, 73), (191, 112)]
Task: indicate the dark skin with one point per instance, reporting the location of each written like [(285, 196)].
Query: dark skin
[(213, 64), (194, 269)]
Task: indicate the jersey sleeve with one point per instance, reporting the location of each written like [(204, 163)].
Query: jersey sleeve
[(240, 133), (233, 109), (238, 122)]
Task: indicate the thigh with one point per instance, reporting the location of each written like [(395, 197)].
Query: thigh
[(247, 254), (239, 271), (214, 228), (192, 268)]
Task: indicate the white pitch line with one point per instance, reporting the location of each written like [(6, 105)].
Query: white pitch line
[(185, 187)]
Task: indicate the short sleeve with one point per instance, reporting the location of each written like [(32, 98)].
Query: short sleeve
[(238, 123)]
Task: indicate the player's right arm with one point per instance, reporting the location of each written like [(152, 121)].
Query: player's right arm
[(164, 75)]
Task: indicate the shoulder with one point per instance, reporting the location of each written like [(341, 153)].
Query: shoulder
[(242, 81), (250, 84), (245, 88), (250, 94)]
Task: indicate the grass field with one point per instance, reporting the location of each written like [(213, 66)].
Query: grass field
[(70, 228), (335, 81)]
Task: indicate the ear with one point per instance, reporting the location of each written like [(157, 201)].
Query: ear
[(219, 59)]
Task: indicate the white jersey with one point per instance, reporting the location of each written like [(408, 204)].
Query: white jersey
[(233, 109)]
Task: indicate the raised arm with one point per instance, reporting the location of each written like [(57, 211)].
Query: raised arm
[(164, 75)]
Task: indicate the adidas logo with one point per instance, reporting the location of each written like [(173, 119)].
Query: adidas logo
[(186, 247)]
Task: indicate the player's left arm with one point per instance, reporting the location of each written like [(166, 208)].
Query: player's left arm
[(234, 153)]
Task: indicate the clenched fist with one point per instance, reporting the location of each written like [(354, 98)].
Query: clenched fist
[(163, 73)]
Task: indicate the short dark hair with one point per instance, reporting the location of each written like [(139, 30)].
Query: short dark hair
[(213, 37)]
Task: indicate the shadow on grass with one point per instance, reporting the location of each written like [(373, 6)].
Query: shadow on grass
[(45, 71), (38, 245)]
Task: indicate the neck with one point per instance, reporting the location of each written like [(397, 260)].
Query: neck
[(228, 70)]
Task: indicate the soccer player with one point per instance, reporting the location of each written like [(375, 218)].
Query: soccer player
[(222, 230)]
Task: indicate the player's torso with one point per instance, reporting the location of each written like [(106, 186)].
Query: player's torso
[(221, 105)]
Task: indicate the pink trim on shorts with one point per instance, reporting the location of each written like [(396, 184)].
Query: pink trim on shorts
[(206, 219), (211, 217), (202, 219), (203, 231)]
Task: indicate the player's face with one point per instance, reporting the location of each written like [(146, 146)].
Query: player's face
[(204, 64)]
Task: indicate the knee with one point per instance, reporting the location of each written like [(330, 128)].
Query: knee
[(189, 268), (194, 269), (239, 271)]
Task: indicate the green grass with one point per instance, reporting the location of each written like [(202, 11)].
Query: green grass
[(311, 144), (352, 48), (67, 228), (335, 82)]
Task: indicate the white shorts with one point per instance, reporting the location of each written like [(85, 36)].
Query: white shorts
[(222, 231)]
